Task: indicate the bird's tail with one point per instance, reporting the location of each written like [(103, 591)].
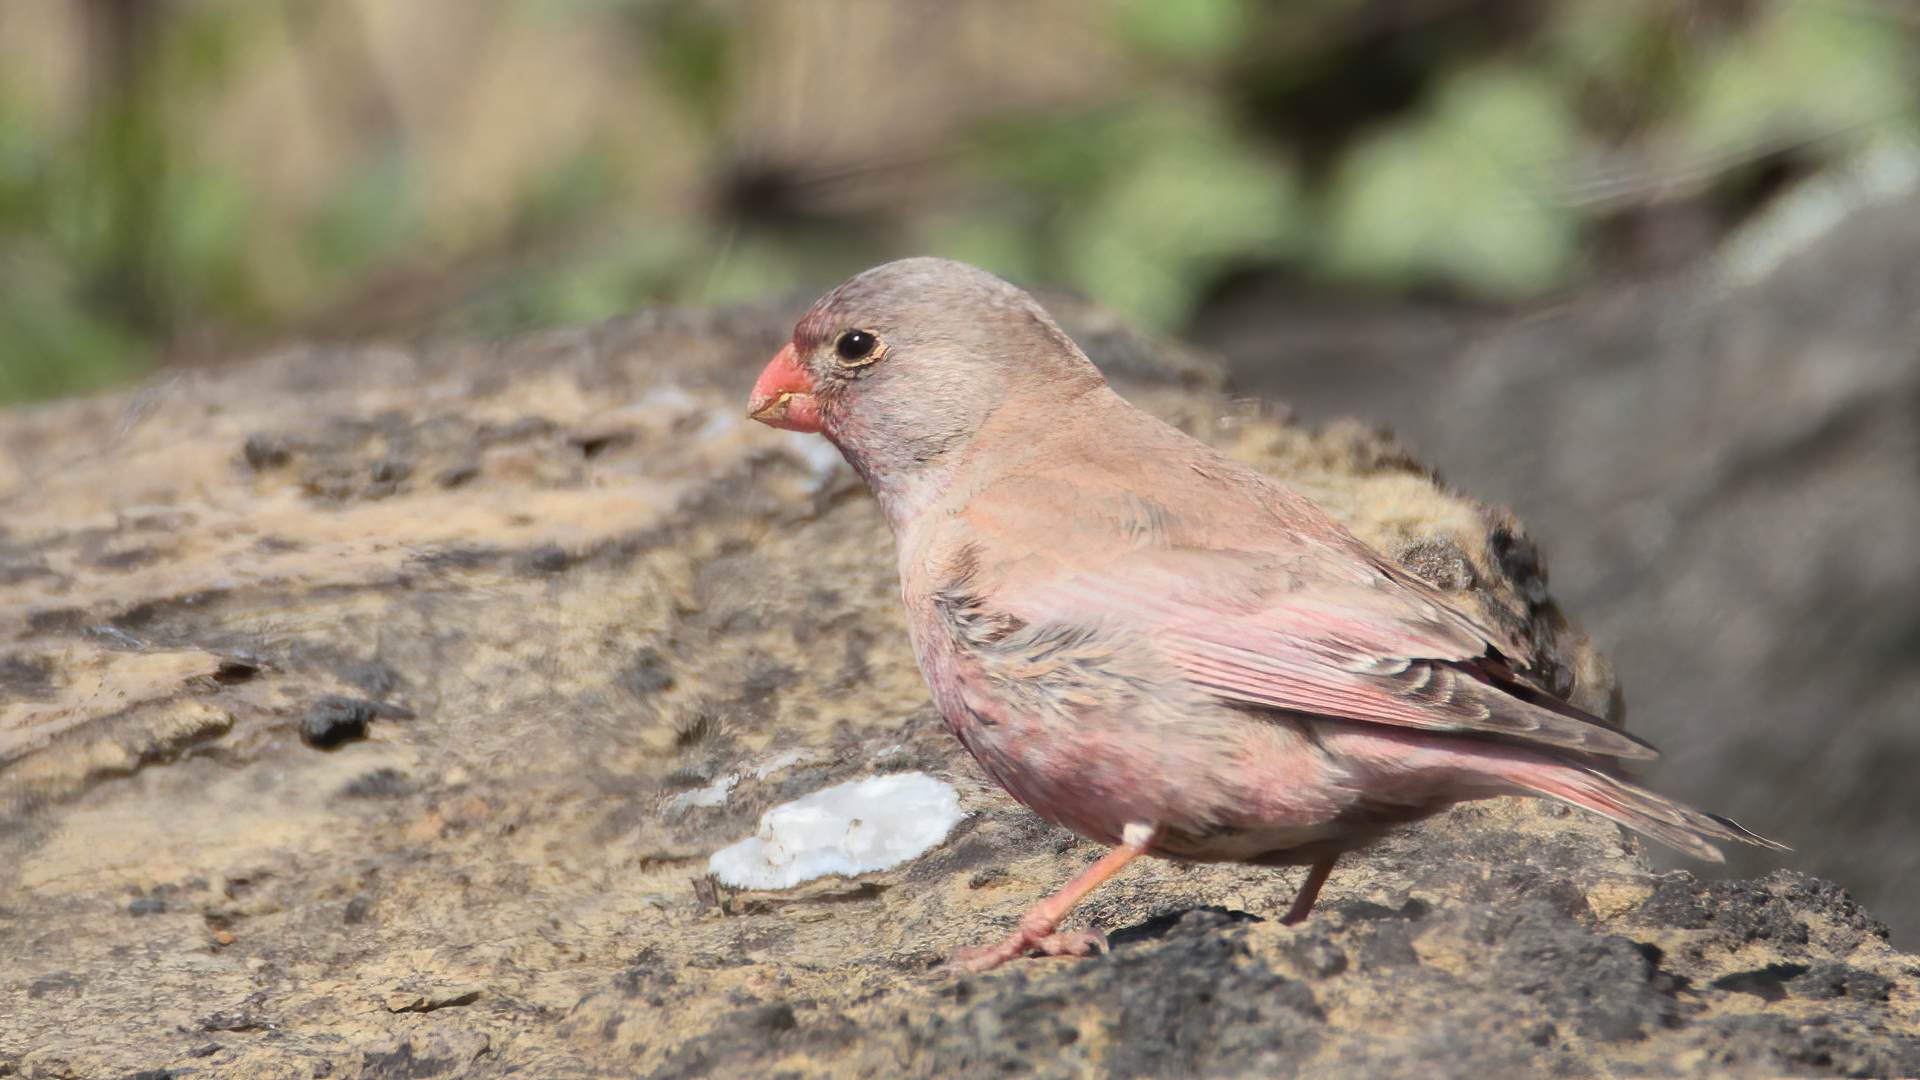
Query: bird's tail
[(1659, 818)]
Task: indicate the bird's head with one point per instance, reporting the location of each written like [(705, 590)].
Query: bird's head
[(902, 365)]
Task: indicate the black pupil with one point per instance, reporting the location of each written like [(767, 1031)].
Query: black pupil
[(855, 345)]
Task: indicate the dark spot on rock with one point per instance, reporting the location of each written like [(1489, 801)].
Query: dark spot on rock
[(1828, 980), (1318, 956), (1191, 920), (763, 678), (382, 783), (146, 614), (1196, 998), (266, 451), (685, 779), (1385, 945), (708, 892), (1519, 559), (403, 1064), (593, 444), (461, 557), (357, 910), (373, 676), (1440, 561), (527, 427), (54, 621), (28, 678), (644, 974), (740, 621), (244, 1018), (696, 729), (126, 558), (152, 1074), (1606, 986), (60, 982), (1679, 900), (1513, 882), (454, 476), (243, 884), (1768, 983), (1774, 909), (853, 665), (1764, 1045), (1368, 911), (328, 485), (771, 1019), (147, 905), (116, 638), (235, 669), (647, 675), (545, 559), (983, 878), (427, 1003), (391, 470), (334, 720), (756, 1033), (15, 571)]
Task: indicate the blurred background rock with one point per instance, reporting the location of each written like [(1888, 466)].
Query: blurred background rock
[(1646, 270)]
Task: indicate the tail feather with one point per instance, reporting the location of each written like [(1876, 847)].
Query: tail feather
[(1659, 818)]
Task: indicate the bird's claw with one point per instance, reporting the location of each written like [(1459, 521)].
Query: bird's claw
[(1082, 942)]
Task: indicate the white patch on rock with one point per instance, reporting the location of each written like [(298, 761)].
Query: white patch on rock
[(848, 829), (714, 794), (782, 760)]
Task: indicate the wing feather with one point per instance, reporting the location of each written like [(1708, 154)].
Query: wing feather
[(1375, 651), (1259, 599)]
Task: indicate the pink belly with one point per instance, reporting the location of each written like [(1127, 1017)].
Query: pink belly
[(1233, 790)]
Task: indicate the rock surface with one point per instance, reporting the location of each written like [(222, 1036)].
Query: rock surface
[(374, 713)]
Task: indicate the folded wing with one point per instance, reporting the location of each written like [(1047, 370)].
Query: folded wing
[(1368, 644)]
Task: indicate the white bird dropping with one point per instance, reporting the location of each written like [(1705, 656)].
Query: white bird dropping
[(847, 829)]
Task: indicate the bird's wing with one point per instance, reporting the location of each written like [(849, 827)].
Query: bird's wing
[(1317, 625), (1379, 652)]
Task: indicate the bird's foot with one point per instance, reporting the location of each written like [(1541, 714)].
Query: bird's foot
[(1083, 942)]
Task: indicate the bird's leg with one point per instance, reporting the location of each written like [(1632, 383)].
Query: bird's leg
[(1309, 891), (1036, 930)]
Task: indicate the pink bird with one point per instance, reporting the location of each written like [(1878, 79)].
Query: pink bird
[(1150, 644)]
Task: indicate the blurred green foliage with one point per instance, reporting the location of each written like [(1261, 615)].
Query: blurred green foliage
[(1469, 148)]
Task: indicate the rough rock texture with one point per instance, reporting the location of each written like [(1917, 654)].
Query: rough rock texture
[(1725, 466), (346, 695)]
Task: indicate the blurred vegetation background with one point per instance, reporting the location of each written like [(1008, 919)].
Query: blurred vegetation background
[(185, 179)]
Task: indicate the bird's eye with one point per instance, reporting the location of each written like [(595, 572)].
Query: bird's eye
[(857, 347)]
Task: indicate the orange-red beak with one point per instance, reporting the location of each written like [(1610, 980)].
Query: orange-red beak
[(783, 396)]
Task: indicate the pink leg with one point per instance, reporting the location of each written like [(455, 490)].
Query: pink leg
[(1309, 891), (1036, 931)]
